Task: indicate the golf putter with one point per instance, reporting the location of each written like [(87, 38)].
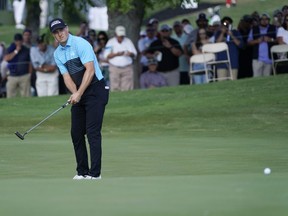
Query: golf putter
[(53, 113)]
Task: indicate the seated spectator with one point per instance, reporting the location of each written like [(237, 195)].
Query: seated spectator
[(152, 78), (20, 68), (262, 38), (46, 71)]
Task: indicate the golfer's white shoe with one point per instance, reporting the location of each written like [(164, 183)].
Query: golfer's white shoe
[(81, 177), (94, 178)]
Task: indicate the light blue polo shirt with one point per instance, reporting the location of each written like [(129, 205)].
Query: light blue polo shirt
[(72, 57)]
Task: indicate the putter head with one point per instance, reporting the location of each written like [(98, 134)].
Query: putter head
[(19, 135)]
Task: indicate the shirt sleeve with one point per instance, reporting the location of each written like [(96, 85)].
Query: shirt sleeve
[(85, 51), (60, 65)]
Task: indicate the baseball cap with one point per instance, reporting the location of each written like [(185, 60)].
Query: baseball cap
[(120, 31), (265, 14), (56, 24), (18, 37), (277, 12), (177, 23), (202, 16), (165, 27), (153, 20)]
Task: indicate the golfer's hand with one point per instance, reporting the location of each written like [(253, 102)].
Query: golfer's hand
[(75, 98)]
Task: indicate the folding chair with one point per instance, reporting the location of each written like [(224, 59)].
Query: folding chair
[(216, 48), (200, 58), (281, 52)]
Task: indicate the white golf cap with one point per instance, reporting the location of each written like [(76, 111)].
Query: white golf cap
[(120, 31)]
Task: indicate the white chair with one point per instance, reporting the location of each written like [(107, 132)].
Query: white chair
[(200, 58), (216, 48), (281, 52)]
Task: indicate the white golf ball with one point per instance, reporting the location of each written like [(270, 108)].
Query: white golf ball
[(267, 171)]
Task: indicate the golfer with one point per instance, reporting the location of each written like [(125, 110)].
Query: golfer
[(77, 63)]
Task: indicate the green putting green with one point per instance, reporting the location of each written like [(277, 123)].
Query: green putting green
[(189, 150)]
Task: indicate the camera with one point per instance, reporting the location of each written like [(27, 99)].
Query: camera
[(227, 25)]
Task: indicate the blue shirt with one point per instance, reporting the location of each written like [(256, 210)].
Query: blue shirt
[(233, 49), (72, 57)]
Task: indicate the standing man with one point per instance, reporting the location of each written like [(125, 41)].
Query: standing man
[(77, 63), (20, 68), (45, 66), (170, 51), (184, 59), (262, 38), (120, 52)]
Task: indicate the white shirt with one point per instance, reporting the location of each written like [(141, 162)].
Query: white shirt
[(113, 46), (283, 33)]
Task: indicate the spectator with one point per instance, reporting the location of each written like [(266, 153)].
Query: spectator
[(27, 38), (152, 78), (202, 38), (282, 34), (155, 24), (92, 36), (144, 43), (170, 50), (27, 41), (277, 18), (102, 39), (256, 19), (181, 37), (185, 22), (46, 71), (246, 53), (20, 68), (234, 41), (285, 10), (120, 52), (282, 38), (202, 22), (83, 30), (3, 72), (262, 38)]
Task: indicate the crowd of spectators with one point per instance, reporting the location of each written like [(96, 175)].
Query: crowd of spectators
[(164, 52)]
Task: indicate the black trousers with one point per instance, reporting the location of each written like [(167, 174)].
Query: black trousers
[(86, 119)]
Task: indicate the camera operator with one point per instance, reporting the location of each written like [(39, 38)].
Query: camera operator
[(234, 41)]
